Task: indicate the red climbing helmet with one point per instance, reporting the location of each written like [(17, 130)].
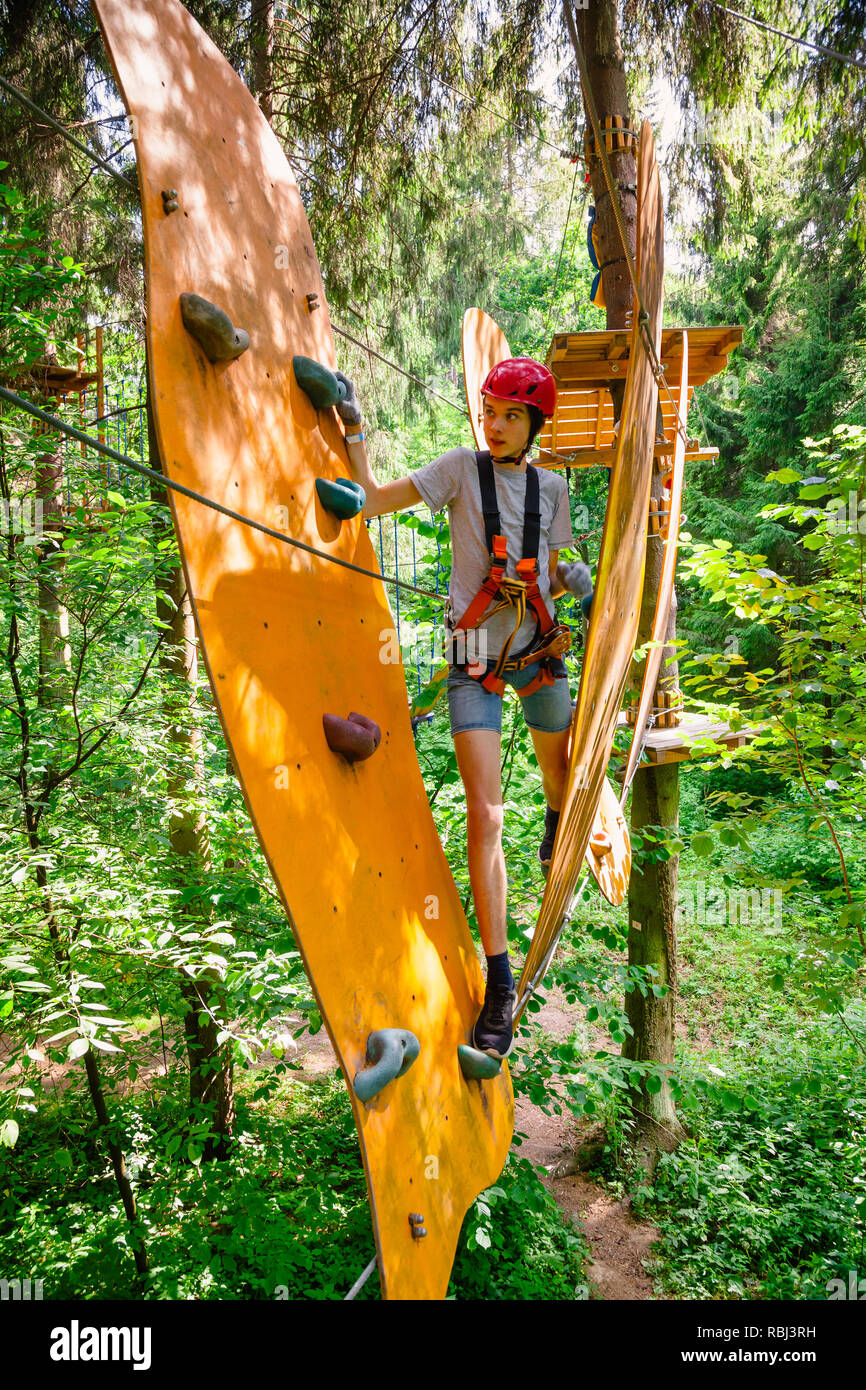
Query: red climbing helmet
[(522, 379)]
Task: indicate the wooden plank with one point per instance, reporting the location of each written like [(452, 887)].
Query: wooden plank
[(287, 636), (676, 744), (611, 868), (483, 344), (616, 606)]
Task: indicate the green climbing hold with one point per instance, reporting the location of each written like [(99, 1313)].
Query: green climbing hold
[(390, 1053), (319, 383), (342, 497), (212, 329), (477, 1066)]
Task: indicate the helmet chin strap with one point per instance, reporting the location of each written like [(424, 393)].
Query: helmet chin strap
[(517, 458)]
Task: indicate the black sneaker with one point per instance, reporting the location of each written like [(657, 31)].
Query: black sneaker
[(494, 1032), (551, 821)]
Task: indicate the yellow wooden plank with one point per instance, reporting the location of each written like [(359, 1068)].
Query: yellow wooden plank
[(616, 606)]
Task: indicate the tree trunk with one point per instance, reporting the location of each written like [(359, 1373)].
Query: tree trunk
[(652, 902), (262, 46), (655, 796), (598, 29), (55, 655), (211, 1081)]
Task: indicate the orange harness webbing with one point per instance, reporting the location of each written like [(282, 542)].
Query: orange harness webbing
[(551, 639)]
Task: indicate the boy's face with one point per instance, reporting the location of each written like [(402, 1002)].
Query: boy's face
[(506, 427)]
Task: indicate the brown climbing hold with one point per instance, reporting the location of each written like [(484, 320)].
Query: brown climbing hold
[(356, 738), (212, 329)]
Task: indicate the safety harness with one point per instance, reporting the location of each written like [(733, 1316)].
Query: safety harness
[(551, 639)]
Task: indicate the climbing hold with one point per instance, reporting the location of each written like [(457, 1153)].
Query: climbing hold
[(600, 844), (586, 606), (342, 496), (212, 329), (477, 1066), (169, 200), (319, 383), (390, 1053), (416, 1224), (356, 738), (312, 301)]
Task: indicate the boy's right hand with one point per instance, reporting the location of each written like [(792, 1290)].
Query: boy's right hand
[(348, 409)]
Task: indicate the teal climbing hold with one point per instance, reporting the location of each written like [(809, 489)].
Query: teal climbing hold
[(343, 497), (477, 1066), (390, 1053), (319, 383)]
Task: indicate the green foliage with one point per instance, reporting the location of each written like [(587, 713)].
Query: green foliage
[(768, 1199), (515, 1244)]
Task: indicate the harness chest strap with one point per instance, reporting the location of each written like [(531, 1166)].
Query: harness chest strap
[(515, 592)]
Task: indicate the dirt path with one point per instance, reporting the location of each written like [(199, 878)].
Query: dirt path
[(619, 1244)]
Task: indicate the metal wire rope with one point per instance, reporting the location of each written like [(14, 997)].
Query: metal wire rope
[(57, 424), (63, 130)]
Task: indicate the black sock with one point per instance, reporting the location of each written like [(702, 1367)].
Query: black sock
[(499, 971)]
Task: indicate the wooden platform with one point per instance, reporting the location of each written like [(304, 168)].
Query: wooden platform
[(675, 745), (50, 379), (585, 364)]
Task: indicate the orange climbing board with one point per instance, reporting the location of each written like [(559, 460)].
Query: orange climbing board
[(661, 615), (608, 856), (288, 637), (483, 345)]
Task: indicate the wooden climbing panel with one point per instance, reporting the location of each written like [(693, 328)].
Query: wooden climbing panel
[(288, 637), (619, 583), (483, 345), (661, 616)]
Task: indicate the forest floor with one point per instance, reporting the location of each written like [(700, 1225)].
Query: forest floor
[(555, 1144)]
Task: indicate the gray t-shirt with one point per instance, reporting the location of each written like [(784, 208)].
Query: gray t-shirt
[(452, 480)]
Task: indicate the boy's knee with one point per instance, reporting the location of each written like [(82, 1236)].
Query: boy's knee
[(484, 818)]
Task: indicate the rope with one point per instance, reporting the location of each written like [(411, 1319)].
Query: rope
[(393, 365), (561, 250), (164, 481), (792, 38), (362, 1279), (91, 154)]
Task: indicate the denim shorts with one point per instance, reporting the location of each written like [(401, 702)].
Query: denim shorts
[(470, 706)]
